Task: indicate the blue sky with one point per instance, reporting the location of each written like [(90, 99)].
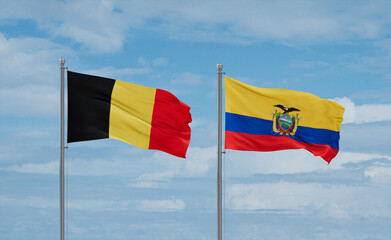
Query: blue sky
[(336, 50)]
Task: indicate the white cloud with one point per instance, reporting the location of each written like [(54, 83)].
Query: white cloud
[(160, 61), (373, 113), (162, 205), (198, 163), (330, 200), (142, 61), (152, 180), (379, 174), (107, 41), (102, 167), (335, 201), (99, 26), (99, 204), (241, 163), (30, 101), (187, 78), (254, 231), (78, 167), (364, 113), (141, 205), (306, 21), (349, 115), (157, 62), (354, 157), (29, 61), (34, 134), (95, 205), (35, 202), (30, 76), (307, 64), (378, 95), (119, 74), (103, 26), (180, 92), (270, 230), (40, 168)]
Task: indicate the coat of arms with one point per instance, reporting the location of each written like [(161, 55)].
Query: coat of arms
[(283, 122)]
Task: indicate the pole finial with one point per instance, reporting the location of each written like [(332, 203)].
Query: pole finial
[(219, 67), (62, 61)]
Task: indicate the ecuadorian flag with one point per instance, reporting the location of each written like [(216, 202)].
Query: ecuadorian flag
[(145, 117), (261, 119)]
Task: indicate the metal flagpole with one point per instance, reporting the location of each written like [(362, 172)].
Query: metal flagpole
[(219, 151), (62, 63)]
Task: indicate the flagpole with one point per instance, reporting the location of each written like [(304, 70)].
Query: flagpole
[(62, 63), (219, 151)]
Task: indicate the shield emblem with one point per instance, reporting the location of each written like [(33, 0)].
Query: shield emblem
[(285, 122)]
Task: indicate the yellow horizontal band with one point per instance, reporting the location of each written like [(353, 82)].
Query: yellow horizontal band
[(315, 112)]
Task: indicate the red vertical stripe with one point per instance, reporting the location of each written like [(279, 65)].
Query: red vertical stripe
[(170, 130)]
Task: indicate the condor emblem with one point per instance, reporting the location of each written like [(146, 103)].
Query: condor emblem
[(284, 123)]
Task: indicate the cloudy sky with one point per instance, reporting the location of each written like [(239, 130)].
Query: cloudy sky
[(336, 50)]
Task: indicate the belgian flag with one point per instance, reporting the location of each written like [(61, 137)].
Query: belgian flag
[(145, 117)]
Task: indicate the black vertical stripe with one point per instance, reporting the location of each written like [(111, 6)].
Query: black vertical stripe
[(89, 100)]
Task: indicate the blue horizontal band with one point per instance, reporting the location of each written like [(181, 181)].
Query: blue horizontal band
[(257, 126)]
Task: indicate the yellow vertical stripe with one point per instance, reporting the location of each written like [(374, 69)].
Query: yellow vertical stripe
[(131, 113), (315, 112)]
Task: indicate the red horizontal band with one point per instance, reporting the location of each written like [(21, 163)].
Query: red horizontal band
[(265, 143)]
